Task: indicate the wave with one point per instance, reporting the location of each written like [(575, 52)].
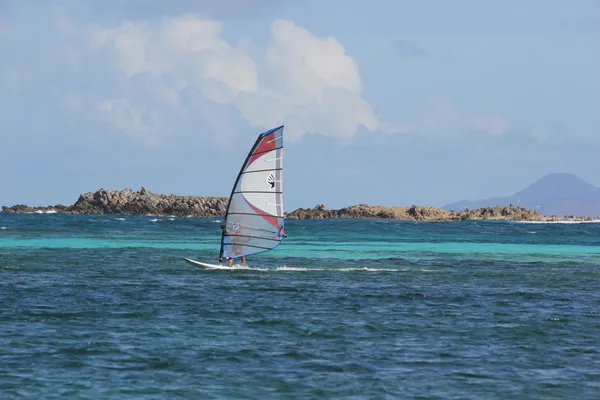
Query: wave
[(593, 221), (45, 212), (161, 219), (285, 268), (352, 269)]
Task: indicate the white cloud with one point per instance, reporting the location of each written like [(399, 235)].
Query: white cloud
[(161, 82), (187, 47), (308, 83)]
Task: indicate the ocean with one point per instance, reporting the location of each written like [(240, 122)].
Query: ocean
[(104, 307)]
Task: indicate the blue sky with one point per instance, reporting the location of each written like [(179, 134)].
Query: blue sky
[(385, 102)]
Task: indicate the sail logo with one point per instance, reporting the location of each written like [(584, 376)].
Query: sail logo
[(271, 180)]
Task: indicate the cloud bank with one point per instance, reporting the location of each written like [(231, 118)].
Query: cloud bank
[(156, 82), (168, 71)]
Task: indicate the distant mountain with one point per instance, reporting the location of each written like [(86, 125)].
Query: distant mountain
[(553, 194)]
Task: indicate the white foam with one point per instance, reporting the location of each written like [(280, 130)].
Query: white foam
[(350, 269), (371, 269), (3, 228), (285, 268), (45, 211), (245, 267), (593, 221), (153, 220), (120, 219)]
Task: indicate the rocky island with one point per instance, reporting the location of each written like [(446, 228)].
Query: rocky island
[(144, 202), (429, 214)]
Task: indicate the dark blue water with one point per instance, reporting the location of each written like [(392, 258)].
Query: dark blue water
[(104, 307)]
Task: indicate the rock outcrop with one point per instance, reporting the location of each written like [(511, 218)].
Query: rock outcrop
[(145, 202), (432, 214), (142, 202)]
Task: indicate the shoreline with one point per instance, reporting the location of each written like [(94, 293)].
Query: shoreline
[(146, 203)]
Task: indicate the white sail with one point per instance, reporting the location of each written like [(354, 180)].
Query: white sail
[(254, 219)]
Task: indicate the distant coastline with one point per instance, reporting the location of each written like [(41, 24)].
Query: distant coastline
[(144, 202)]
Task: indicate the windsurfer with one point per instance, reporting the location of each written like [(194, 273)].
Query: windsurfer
[(236, 245)]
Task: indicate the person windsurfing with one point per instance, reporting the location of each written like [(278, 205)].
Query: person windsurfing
[(235, 242)]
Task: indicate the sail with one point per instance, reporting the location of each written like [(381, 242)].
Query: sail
[(254, 219)]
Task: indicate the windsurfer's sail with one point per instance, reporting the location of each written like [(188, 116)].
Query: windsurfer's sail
[(254, 219)]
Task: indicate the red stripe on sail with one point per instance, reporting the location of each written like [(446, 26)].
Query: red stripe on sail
[(268, 217), (267, 143)]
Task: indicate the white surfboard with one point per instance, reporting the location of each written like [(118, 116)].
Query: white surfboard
[(212, 266)]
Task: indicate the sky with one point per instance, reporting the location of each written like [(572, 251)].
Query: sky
[(385, 102)]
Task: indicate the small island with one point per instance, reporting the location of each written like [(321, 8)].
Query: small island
[(429, 214), (129, 202), (144, 202)]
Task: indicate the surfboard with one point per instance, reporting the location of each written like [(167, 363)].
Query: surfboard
[(212, 266)]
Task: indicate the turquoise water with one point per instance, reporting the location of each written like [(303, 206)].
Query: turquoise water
[(104, 307)]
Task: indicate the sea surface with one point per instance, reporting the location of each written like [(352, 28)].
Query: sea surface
[(104, 307)]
